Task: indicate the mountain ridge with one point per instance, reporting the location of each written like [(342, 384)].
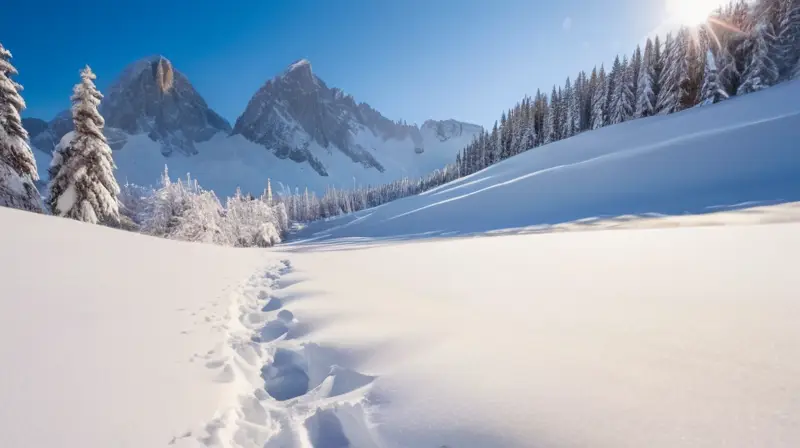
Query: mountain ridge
[(295, 115)]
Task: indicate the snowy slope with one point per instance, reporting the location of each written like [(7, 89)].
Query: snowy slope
[(111, 338), (660, 338), (744, 149), (225, 162), (675, 331)]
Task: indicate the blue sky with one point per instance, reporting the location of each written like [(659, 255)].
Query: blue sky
[(412, 60)]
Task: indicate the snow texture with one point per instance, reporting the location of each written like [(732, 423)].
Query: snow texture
[(740, 150), (667, 331)]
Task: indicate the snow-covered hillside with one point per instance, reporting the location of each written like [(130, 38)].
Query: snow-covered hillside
[(629, 338), (668, 331), (742, 150), (295, 130)]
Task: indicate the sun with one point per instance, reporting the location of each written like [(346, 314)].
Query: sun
[(690, 12)]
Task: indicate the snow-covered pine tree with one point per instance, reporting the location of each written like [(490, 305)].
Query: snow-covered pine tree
[(494, 147), (529, 127), (82, 184), (17, 165), (566, 123), (675, 75), (731, 28), (712, 91), (645, 95), (587, 91), (599, 100), (620, 107), (634, 67), (657, 64), (761, 71), (575, 103), (550, 120), (788, 38)]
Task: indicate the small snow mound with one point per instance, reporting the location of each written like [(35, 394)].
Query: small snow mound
[(227, 375), (343, 381)]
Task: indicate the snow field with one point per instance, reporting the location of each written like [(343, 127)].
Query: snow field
[(291, 391), (682, 335)]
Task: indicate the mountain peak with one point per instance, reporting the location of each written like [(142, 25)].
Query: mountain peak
[(299, 69), (299, 64)]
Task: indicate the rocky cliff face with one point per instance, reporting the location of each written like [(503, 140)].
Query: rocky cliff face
[(320, 135), (296, 109), (448, 129), (149, 97)]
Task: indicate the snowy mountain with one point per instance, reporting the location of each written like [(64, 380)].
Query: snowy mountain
[(667, 331), (298, 116), (295, 130), (149, 97)]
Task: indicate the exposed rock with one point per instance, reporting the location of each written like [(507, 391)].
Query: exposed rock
[(296, 108), (150, 97)]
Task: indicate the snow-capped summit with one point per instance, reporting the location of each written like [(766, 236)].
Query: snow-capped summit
[(297, 116), (154, 98), (149, 97), (295, 130), (302, 65)]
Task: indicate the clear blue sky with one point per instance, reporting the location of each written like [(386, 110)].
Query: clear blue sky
[(412, 60)]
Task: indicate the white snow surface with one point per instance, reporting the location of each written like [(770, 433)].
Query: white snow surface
[(670, 330), (226, 162)]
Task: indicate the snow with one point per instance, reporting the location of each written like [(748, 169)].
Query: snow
[(226, 162), (743, 149), (107, 334), (300, 63), (67, 199), (604, 315)]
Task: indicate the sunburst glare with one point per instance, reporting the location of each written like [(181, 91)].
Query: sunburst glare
[(690, 12)]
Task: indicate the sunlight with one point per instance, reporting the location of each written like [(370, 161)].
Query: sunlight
[(690, 12)]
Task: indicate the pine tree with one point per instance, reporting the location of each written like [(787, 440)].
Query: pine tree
[(712, 91), (645, 95), (82, 184), (493, 148), (788, 38), (635, 68), (17, 165), (550, 122), (575, 103), (566, 124), (657, 63), (675, 75), (761, 71), (736, 47), (620, 108), (599, 101)]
